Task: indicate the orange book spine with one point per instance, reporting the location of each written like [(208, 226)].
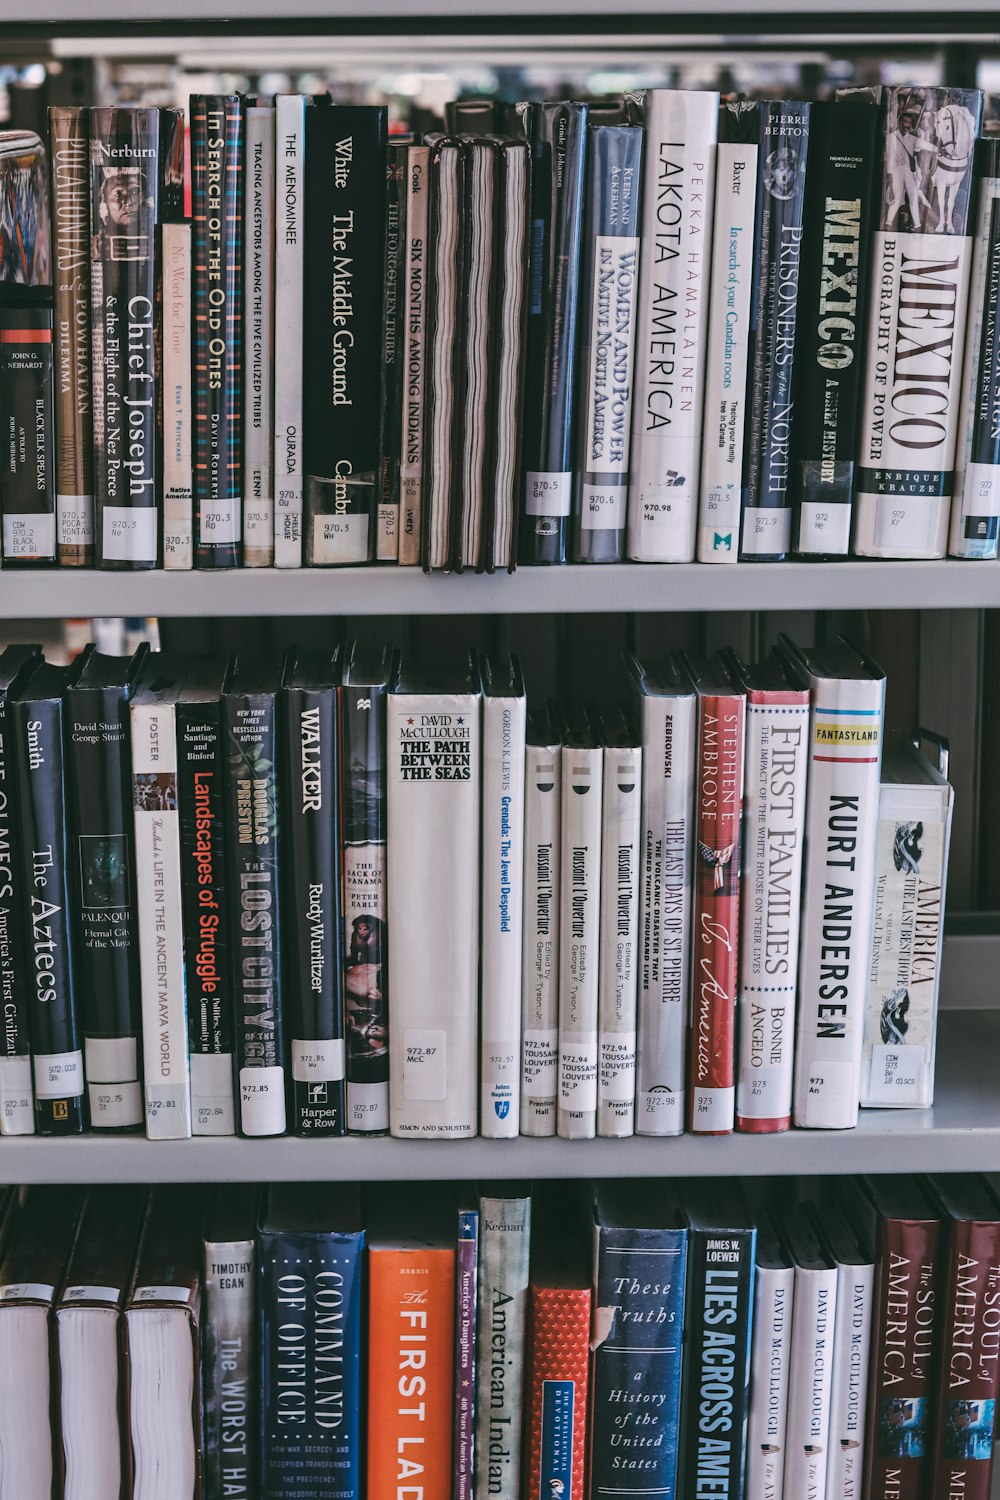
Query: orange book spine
[(411, 1344), (558, 1381)]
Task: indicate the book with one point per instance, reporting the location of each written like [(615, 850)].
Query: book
[(466, 1348), (558, 134), (621, 820), (767, 1415), (344, 225), (312, 887), (542, 899), (252, 820), (393, 351), (847, 697), (417, 262), (478, 296), (69, 147), (810, 1365), (640, 1266), (557, 1382), (289, 242), (178, 408), (774, 814), (229, 1357), (99, 788), (28, 483), (258, 353), (904, 975), (124, 190), (922, 249), (445, 350), (665, 703), (17, 1099), (504, 728), (434, 739), (678, 200), (579, 928), (511, 326), (609, 283), (849, 1227), (501, 1330)]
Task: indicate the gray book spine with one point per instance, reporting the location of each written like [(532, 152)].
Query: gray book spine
[(229, 1371), (504, 1242)]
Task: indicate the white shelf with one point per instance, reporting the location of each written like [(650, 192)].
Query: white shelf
[(381, 12)]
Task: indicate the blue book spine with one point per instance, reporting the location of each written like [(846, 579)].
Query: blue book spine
[(638, 1338), (311, 1348)]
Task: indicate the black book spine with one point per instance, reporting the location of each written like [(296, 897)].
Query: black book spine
[(344, 266), (558, 159), (781, 175), (124, 187), (28, 474), (252, 827), (17, 1108), (312, 912), (55, 1032), (975, 511), (836, 246), (393, 355)]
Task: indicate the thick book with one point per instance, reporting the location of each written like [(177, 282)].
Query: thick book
[(640, 1270), (579, 927), (767, 1415), (540, 946), (99, 786), (504, 728), (678, 198), (313, 931), (921, 256), (289, 248), (557, 1381), (609, 285), (501, 1329), (847, 698), (415, 316), (124, 193), (558, 134), (344, 190), (509, 354), (621, 825), (229, 1368), (481, 221), (17, 1098), (252, 788), (849, 1230), (904, 975), (441, 501), (466, 1317), (177, 396), (28, 476), (258, 353), (367, 677), (774, 815), (393, 367), (810, 1366), (434, 738), (975, 502)]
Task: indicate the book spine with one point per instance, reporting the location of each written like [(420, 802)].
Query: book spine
[(579, 925), (511, 315), (682, 129), (807, 1429), (463, 1451), (70, 186), (316, 1009), (540, 974), (502, 914), (920, 258), (258, 358), (557, 1391), (728, 340), (619, 944), (411, 462), (504, 1236), (28, 499), (290, 125), (836, 243), (253, 823), (124, 186), (229, 1371), (849, 1385), (344, 191), (845, 733), (394, 349), (207, 938), (483, 217), (975, 506), (638, 1337), (771, 389), (161, 950), (966, 1416), (769, 1369), (217, 128), (558, 157), (178, 410), (609, 280), (774, 812), (17, 1101), (433, 888), (715, 940), (446, 338)]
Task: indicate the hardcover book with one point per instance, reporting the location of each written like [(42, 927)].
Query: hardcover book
[(289, 244), (511, 326), (445, 350), (810, 1365), (579, 927), (975, 505), (178, 403), (767, 1416), (540, 947), (411, 463), (466, 1314), (557, 1387), (28, 484), (17, 1099), (849, 1229), (229, 1355), (258, 355), (394, 351), (478, 295), (621, 820), (504, 1243)]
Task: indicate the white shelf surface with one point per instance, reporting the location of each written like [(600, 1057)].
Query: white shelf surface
[(380, 12)]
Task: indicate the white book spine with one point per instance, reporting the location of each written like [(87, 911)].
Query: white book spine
[(977, 484), (411, 467), (620, 844), (777, 755), (845, 732), (807, 1429), (671, 326), (161, 937), (540, 975), (433, 789), (502, 899), (769, 1361), (579, 922), (178, 543), (665, 903), (290, 127), (728, 332), (258, 331), (849, 1384)]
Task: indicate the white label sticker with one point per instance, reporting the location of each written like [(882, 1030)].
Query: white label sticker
[(617, 1068), (766, 530), (540, 1064), (368, 1107), (830, 1097), (167, 1111), (824, 528), (262, 1101), (258, 523), (17, 1104), (897, 1075), (981, 491), (115, 1105), (90, 1294), (129, 533), (424, 1064), (27, 1291), (212, 1107), (75, 515), (318, 1062), (602, 507), (548, 494), (659, 1112), (340, 539), (765, 1093), (903, 526), (59, 1075), (219, 521), (111, 1059), (29, 535), (161, 1294), (712, 1110), (578, 1076)]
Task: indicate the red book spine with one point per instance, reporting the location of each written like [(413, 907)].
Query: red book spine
[(970, 1362), (715, 939), (557, 1390)]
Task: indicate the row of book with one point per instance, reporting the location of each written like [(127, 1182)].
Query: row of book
[(691, 1341), (658, 329), (204, 861)]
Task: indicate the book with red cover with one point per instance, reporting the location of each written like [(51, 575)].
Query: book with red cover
[(558, 1377), (715, 931)]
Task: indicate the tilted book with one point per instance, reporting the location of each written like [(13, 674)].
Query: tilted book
[(417, 261), (258, 355), (178, 397), (540, 947), (579, 927), (289, 245), (621, 821), (17, 1099), (229, 1359), (504, 1243), (807, 1426), (774, 1283)]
